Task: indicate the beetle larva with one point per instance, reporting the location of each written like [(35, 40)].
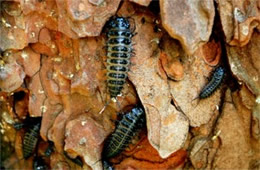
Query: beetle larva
[(39, 164), (124, 132), (107, 166), (216, 80), (119, 51), (30, 139), (18, 125), (49, 149)]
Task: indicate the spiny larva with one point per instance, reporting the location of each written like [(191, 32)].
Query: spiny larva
[(107, 166), (30, 139), (214, 83), (124, 132), (49, 149), (119, 51)]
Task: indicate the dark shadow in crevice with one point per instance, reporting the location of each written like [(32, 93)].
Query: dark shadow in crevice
[(154, 7), (219, 36)]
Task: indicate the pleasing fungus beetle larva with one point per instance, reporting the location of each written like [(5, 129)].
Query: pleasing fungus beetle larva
[(119, 52), (107, 166), (214, 83), (124, 132), (30, 139)]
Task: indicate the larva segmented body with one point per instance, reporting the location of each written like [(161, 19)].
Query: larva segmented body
[(30, 140), (124, 132), (119, 51), (214, 83), (18, 125), (49, 149)]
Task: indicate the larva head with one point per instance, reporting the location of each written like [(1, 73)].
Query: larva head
[(119, 22), (219, 72), (138, 111), (35, 124)]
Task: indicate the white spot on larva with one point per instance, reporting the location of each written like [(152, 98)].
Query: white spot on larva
[(258, 100), (217, 107), (43, 109), (83, 123), (82, 141)]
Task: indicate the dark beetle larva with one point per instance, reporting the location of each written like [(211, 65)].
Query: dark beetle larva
[(107, 166), (119, 51), (39, 164), (214, 83), (18, 125), (30, 139), (49, 149), (124, 132)]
